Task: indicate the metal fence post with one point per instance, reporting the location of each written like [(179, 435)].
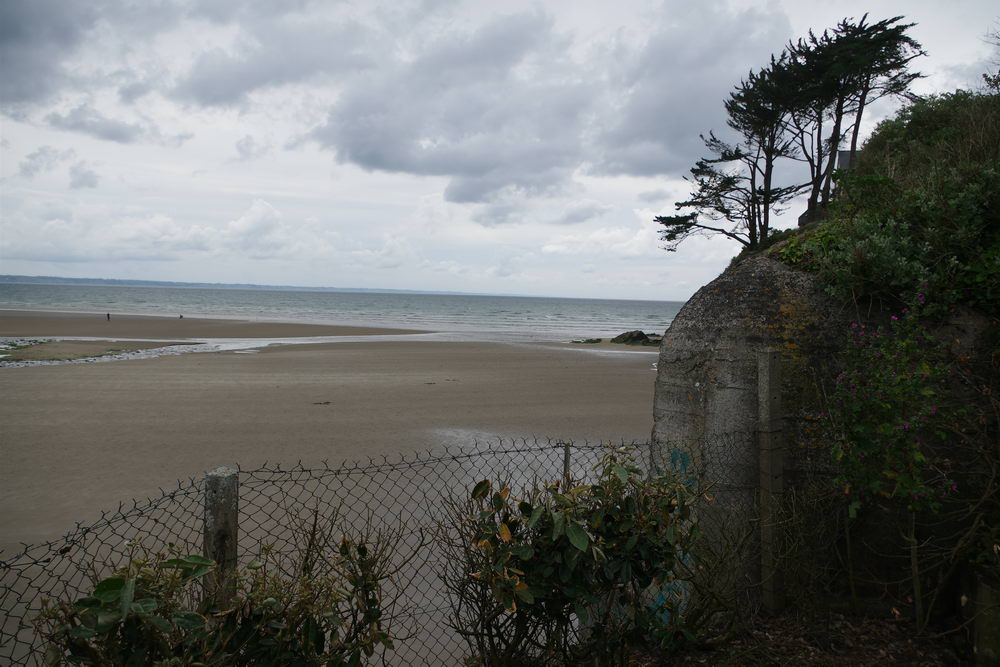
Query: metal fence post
[(222, 502), (772, 463)]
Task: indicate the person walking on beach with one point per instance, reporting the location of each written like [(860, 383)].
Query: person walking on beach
[(109, 317)]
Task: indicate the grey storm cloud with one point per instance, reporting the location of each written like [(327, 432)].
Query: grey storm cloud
[(672, 90), (582, 212), (499, 108), (39, 37), (130, 92), (475, 108), (499, 213), (82, 176), (653, 196), (224, 11), (90, 121), (249, 148), (276, 53), (43, 159), (36, 36), (460, 109), (87, 120)]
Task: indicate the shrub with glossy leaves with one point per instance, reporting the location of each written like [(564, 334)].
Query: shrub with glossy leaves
[(571, 570)]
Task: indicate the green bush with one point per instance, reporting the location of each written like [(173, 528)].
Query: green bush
[(921, 212), (887, 408), (959, 130), (328, 610), (911, 242), (572, 573)]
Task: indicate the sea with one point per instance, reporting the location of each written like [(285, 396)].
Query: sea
[(457, 316)]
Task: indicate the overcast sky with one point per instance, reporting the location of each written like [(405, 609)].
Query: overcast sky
[(501, 147)]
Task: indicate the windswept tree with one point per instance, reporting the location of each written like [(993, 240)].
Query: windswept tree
[(834, 77), (803, 106), (735, 192)]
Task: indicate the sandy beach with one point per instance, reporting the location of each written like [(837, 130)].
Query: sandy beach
[(79, 438)]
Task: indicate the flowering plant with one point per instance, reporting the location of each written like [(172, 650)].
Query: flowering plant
[(885, 406)]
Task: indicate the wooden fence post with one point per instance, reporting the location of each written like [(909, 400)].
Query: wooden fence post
[(566, 464), (222, 506), (772, 485)]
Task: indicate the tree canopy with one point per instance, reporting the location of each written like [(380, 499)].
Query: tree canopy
[(801, 107)]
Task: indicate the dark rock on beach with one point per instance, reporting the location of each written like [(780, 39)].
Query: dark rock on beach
[(637, 338)]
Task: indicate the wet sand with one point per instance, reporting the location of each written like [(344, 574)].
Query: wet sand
[(79, 438)]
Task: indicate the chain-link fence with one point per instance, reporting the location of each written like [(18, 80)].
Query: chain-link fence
[(65, 569), (405, 496)]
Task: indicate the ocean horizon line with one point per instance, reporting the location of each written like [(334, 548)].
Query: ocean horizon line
[(13, 279)]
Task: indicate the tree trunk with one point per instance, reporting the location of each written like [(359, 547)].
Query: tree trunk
[(857, 119), (817, 167), (835, 138), (768, 174)]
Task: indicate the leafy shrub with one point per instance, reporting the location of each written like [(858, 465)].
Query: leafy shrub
[(959, 130), (886, 405), (329, 610), (921, 212), (773, 238), (912, 240), (571, 571)]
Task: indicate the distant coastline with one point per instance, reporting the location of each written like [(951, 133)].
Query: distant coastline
[(57, 280)]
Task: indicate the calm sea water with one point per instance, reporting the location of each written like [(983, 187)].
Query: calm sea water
[(530, 318)]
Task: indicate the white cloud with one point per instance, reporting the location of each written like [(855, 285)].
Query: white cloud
[(395, 252), (99, 234), (622, 242), (262, 232), (64, 236)]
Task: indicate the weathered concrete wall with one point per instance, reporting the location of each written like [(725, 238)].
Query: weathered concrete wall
[(706, 383), (706, 401)]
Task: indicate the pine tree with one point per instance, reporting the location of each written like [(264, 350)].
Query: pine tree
[(803, 106), (834, 77)]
